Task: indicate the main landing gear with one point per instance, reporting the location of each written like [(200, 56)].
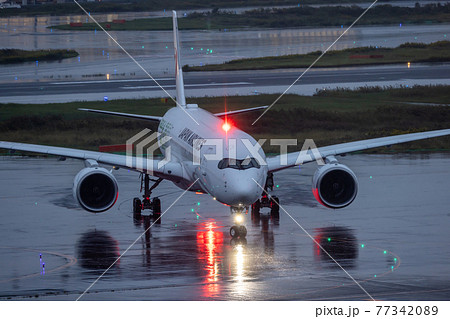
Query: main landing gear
[(238, 230), (267, 200), (147, 203)]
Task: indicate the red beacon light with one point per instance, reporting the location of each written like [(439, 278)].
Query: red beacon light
[(226, 126)]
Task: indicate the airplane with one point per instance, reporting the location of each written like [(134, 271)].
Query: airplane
[(241, 178)]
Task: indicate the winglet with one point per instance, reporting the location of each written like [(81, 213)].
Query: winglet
[(181, 100)]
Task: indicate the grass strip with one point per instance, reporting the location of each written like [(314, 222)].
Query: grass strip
[(329, 117)]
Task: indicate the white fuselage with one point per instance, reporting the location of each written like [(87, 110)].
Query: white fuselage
[(235, 185)]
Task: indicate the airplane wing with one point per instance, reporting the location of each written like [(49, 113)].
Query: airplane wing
[(135, 116), (278, 163), (241, 111), (158, 118), (171, 171)]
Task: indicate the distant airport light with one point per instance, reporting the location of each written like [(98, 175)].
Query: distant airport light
[(329, 239), (385, 252), (409, 65), (226, 126), (107, 76), (105, 98), (362, 245)]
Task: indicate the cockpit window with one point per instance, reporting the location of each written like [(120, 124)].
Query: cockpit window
[(238, 164)]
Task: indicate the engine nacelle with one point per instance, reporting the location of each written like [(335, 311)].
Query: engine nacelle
[(95, 188), (334, 185)]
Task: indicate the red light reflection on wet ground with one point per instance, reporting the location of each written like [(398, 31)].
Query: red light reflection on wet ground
[(210, 247)]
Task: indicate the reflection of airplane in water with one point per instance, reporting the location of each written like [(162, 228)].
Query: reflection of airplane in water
[(216, 265), (339, 242), (96, 249), (234, 171)]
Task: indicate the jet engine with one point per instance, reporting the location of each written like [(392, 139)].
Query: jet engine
[(334, 185), (95, 188)]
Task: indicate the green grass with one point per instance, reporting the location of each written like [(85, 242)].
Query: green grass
[(287, 18), (8, 56), (408, 52), (329, 117)]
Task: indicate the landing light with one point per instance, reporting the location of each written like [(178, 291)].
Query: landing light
[(238, 218)]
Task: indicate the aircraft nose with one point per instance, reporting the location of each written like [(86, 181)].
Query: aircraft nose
[(243, 190)]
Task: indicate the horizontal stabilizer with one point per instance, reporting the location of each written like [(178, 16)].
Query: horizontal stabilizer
[(135, 116), (242, 111)]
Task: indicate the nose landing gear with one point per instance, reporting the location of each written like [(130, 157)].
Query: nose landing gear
[(238, 230), (147, 203)]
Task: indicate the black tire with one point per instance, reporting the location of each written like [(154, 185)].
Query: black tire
[(256, 207), (234, 231), (274, 207), (137, 206), (156, 204), (242, 231)]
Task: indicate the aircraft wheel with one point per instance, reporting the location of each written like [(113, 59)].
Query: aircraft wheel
[(256, 206), (137, 206), (234, 231), (274, 207), (157, 209), (242, 231)]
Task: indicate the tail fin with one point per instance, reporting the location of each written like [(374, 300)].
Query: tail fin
[(181, 100)]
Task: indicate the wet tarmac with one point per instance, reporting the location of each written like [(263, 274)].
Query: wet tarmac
[(393, 239), (200, 84)]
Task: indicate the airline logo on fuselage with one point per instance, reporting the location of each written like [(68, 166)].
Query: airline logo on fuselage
[(188, 136)]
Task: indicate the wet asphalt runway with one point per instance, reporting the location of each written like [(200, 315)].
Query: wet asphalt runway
[(229, 83), (393, 239)]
